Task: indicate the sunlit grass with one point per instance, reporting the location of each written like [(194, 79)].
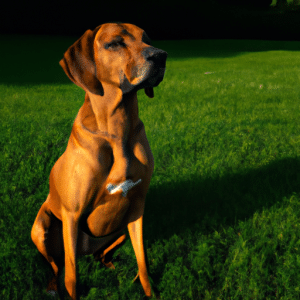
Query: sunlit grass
[(223, 210)]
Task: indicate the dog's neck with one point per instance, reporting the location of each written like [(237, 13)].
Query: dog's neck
[(114, 116), (111, 118)]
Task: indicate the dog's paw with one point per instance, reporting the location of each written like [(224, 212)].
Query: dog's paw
[(52, 287)]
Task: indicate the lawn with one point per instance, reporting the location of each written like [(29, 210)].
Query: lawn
[(223, 210)]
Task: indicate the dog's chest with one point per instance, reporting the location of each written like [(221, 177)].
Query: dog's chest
[(108, 215)]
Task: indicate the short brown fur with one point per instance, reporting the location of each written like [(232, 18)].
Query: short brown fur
[(107, 145)]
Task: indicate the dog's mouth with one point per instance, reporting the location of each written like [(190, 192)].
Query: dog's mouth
[(157, 76), (149, 76)]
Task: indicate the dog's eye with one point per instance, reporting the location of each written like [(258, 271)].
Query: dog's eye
[(114, 45)]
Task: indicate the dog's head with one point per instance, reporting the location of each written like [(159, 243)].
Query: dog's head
[(117, 54)]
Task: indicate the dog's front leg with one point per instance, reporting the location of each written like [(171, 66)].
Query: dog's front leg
[(135, 229), (70, 231)]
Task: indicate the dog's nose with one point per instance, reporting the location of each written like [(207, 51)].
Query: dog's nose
[(156, 55)]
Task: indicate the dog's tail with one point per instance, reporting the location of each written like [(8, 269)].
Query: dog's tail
[(124, 186)]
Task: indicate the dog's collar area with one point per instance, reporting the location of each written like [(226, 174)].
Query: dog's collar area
[(124, 187)]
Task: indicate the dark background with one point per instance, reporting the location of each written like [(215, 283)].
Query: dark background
[(185, 19)]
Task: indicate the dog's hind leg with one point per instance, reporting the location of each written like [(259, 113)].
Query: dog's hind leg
[(106, 256), (46, 234)]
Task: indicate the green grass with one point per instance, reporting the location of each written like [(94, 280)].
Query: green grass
[(223, 210)]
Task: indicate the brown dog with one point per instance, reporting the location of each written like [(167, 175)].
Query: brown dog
[(98, 186)]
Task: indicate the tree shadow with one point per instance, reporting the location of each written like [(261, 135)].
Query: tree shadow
[(34, 60), (222, 201), (221, 48)]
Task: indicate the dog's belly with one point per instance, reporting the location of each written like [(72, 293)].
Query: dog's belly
[(88, 245), (109, 215)]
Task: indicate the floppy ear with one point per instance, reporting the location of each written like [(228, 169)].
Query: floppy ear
[(149, 92), (79, 63)]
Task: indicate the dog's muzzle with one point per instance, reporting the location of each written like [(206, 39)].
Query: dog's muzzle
[(156, 60), (158, 56)]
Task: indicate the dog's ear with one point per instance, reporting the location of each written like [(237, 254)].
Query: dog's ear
[(79, 63), (149, 92)]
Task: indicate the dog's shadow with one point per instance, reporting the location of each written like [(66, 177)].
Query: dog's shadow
[(221, 201), (204, 205)]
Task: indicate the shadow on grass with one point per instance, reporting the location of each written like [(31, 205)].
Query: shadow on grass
[(203, 205), (216, 48), (208, 204), (31, 60)]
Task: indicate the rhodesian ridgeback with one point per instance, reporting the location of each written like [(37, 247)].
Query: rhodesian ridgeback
[(99, 184)]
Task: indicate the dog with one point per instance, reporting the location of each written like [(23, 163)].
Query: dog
[(99, 184)]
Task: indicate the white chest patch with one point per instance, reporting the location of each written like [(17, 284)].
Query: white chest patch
[(124, 187)]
